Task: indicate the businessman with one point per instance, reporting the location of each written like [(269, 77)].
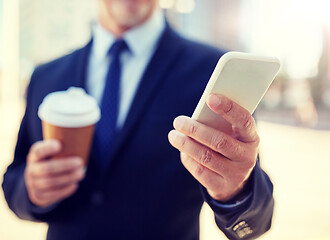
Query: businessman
[(137, 186)]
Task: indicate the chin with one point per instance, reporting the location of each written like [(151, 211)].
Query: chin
[(129, 13)]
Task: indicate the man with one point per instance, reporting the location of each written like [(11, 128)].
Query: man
[(136, 188)]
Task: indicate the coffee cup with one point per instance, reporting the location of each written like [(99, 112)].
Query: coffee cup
[(70, 117)]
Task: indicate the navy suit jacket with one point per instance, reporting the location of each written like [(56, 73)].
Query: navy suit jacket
[(145, 192)]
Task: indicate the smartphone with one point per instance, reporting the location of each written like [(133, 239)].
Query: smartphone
[(242, 77)]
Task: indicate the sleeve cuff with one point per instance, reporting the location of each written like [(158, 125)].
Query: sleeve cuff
[(222, 208), (239, 202), (42, 210)]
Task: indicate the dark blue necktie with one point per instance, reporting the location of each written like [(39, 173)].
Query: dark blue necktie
[(106, 127)]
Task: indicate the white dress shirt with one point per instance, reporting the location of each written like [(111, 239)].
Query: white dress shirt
[(142, 42)]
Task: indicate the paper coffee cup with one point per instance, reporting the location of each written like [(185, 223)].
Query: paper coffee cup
[(70, 116)]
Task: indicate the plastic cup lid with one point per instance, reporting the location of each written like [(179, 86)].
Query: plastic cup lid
[(72, 108)]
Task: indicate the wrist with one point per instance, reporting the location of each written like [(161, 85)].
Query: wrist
[(238, 196)]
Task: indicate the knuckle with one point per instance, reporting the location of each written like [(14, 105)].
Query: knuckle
[(247, 121), (183, 142), (46, 169), (67, 165), (199, 170), (39, 184), (221, 166), (228, 107), (38, 152), (48, 183), (221, 142), (60, 181), (206, 156), (193, 129)]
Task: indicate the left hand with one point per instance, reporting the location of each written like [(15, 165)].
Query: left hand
[(220, 162)]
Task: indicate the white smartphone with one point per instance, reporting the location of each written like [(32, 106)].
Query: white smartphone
[(242, 77)]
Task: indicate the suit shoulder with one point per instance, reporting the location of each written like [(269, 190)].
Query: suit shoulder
[(201, 50), (59, 64), (196, 57), (62, 71)]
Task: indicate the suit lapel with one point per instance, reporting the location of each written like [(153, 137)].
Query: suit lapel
[(154, 75), (79, 79)]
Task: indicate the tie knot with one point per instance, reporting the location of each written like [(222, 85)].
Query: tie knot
[(117, 47)]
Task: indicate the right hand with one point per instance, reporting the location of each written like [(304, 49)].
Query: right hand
[(51, 180)]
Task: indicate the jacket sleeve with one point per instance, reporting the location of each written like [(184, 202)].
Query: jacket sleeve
[(14, 182), (250, 218)]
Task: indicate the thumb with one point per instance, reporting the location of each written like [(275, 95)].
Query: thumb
[(44, 149)]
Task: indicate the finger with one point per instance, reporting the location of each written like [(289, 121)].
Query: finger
[(216, 140), (44, 149), (55, 166), (240, 118), (209, 179), (49, 183), (46, 198), (200, 153)]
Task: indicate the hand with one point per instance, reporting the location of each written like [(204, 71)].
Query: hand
[(51, 180), (220, 162)]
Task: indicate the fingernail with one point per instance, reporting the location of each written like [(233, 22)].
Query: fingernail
[(214, 100), (179, 122)]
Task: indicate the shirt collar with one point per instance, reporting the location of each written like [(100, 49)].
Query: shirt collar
[(139, 39)]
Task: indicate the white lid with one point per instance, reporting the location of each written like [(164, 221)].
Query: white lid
[(71, 108)]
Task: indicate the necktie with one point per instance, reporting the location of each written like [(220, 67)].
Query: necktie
[(106, 127)]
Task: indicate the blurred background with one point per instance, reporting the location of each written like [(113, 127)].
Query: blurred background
[(293, 118)]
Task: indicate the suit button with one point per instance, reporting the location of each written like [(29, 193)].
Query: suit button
[(242, 229), (239, 225), (97, 198)]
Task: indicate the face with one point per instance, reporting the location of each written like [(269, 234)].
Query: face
[(125, 14)]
